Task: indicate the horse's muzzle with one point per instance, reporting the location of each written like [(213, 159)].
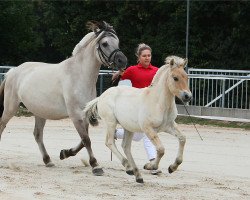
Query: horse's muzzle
[(120, 60), (186, 96)]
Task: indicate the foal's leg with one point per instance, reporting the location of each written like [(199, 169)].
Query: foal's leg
[(38, 134), (110, 143), (126, 145), (152, 135), (82, 128), (182, 140)]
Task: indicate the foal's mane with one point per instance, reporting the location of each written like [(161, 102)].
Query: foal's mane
[(98, 29), (177, 62)]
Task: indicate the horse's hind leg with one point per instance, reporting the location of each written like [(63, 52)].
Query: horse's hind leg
[(38, 134), (65, 153), (11, 106), (182, 140), (126, 145)]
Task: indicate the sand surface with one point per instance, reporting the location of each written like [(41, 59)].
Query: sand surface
[(216, 168)]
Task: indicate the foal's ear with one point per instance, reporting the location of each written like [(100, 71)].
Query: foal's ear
[(185, 62), (171, 63)]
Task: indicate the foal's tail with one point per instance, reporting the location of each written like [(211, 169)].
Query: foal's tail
[(91, 112), (2, 97)]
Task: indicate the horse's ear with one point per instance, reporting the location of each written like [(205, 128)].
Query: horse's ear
[(104, 25), (107, 27), (185, 62)]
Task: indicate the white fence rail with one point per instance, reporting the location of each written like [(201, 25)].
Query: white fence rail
[(220, 88), (210, 87)]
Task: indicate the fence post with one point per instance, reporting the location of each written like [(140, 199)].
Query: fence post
[(101, 84), (223, 93)]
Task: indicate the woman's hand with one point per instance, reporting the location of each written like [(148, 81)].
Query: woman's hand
[(117, 74)]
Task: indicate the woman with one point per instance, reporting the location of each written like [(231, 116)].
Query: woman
[(140, 75)]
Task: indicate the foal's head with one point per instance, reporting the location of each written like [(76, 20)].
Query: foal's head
[(178, 79)]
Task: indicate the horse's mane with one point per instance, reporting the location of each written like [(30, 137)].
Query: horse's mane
[(83, 43), (177, 61), (98, 29)]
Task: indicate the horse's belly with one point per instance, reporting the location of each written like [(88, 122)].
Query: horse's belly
[(47, 108), (48, 113)]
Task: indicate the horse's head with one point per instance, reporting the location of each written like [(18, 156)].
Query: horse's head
[(178, 79), (107, 45)]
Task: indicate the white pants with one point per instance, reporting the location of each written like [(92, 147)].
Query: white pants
[(149, 147)]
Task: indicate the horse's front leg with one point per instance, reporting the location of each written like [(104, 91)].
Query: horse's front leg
[(182, 140), (126, 145), (82, 128), (152, 135)]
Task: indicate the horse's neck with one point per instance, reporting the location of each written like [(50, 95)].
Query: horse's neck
[(89, 67), (162, 95)]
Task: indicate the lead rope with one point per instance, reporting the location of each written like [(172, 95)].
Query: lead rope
[(192, 122)]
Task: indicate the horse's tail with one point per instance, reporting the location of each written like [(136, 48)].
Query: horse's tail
[(2, 97), (91, 112)]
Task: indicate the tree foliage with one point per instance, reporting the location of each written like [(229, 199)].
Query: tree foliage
[(47, 31)]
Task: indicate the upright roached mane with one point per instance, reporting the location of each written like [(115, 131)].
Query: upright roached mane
[(57, 91), (136, 110)]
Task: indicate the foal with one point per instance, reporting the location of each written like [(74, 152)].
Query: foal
[(150, 110)]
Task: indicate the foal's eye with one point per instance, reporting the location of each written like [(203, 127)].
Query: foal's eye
[(175, 78), (105, 44)]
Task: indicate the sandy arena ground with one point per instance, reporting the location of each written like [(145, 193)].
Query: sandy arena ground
[(216, 168)]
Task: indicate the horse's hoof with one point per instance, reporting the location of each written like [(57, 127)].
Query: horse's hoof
[(130, 172), (97, 171), (170, 170), (50, 164), (139, 180), (62, 155)]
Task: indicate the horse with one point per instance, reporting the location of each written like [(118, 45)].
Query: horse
[(57, 91), (151, 110)]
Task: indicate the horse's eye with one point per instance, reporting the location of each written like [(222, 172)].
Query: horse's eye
[(175, 78), (105, 44)]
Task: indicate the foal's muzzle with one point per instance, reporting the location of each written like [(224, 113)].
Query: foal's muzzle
[(186, 96)]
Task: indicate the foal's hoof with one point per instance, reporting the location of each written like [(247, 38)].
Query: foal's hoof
[(97, 171), (147, 166), (139, 180), (50, 164), (170, 170), (130, 172)]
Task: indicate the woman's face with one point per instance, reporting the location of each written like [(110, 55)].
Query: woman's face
[(145, 58)]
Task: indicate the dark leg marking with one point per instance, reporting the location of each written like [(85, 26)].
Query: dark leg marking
[(65, 153)]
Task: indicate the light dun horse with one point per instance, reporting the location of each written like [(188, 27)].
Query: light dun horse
[(57, 91), (150, 110)]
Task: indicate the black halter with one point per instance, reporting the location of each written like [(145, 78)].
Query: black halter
[(106, 60)]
